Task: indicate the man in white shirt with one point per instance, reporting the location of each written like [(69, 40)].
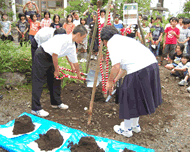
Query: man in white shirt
[(45, 67), (76, 18)]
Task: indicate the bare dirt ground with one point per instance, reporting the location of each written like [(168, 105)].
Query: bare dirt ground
[(167, 130)]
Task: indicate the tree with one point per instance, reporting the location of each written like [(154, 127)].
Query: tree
[(186, 10), (104, 2)]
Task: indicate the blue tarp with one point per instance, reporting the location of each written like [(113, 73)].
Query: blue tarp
[(20, 144)]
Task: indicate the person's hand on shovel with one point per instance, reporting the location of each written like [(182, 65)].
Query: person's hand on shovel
[(109, 86), (56, 73)]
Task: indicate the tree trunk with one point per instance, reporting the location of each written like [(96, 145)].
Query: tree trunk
[(161, 2)]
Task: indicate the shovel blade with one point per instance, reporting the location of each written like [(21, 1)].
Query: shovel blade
[(90, 78)]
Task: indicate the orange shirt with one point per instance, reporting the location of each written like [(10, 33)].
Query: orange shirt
[(34, 27), (69, 27)]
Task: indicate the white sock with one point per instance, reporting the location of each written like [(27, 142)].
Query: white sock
[(127, 124), (135, 122)]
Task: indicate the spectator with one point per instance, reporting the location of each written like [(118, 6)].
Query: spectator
[(96, 43), (117, 25), (6, 28), (22, 27), (69, 25), (176, 57), (76, 20), (83, 45), (87, 13), (170, 23), (156, 36), (180, 24), (34, 26), (181, 69), (184, 34), (56, 22), (30, 9), (102, 16), (152, 20), (46, 21), (170, 39), (146, 30), (140, 17)]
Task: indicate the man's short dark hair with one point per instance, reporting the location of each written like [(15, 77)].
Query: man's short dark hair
[(181, 17), (175, 19), (102, 10), (60, 31), (171, 18), (140, 14), (186, 56), (116, 16), (80, 29), (185, 21), (159, 18), (145, 18), (108, 31)]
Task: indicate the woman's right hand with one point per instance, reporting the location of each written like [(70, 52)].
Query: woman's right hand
[(56, 74)]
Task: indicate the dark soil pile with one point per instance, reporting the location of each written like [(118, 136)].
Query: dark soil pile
[(127, 150), (23, 125), (52, 139), (86, 144)]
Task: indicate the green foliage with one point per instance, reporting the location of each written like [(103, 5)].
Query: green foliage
[(14, 58), (186, 10), (59, 11), (2, 81), (104, 2), (77, 5)]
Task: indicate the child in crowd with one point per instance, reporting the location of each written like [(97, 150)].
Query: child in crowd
[(69, 26), (46, 21), (96, 43), (30, 11), (22, 27), (76, 20), (102, 16), (156, 36), (151, 21), (180, 25), (170, 39), (34, 26), (6, 28), (146, 30), (184, 34), (176, 57), (56, 23), (181, 69), (170, 23), (117, 25), (83, 46)]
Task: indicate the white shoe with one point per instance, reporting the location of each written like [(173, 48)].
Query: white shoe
[(120, 131), (188, 89), (61, 106), (41, 113), (92, 57), (183, 82), (95, 57), (136, 129), (82, 60)]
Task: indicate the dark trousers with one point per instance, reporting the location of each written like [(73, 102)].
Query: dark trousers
[(43, 71), (9, 37), (34, 46), (118, 85)]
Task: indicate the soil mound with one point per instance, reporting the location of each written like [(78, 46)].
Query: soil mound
[(86, 144), (52, 139), (127, 150), (23, 125)]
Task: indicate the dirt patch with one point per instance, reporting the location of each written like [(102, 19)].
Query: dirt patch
[(86, 144), (23, 125), (52, 139), (127, 150)]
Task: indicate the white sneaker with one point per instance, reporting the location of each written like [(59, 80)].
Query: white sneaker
[(183, 82), (95, 57), (188, 89), (82, 60), (120, 131), (92, 57), (61, 106), (41, 113), (136, 129)]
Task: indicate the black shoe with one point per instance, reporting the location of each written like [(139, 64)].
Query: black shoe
[(1, 96)]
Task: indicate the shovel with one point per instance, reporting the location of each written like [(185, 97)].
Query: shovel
[(89, 80)]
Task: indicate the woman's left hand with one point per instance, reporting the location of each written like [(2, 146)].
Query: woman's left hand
[(109, 86)]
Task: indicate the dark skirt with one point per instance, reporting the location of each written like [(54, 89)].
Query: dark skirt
[(140, 93)]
